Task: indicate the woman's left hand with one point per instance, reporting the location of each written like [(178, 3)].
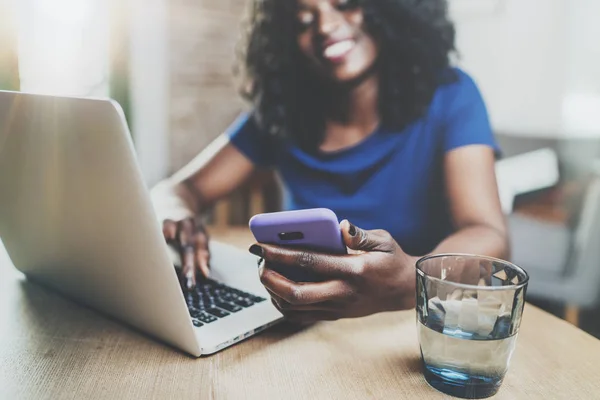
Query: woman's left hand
[(376, 276)]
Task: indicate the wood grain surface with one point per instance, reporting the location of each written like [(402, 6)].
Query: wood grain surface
[(51, 348)]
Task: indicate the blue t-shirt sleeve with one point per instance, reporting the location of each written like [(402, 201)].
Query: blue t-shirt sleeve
[(245, 135), (467, 121)]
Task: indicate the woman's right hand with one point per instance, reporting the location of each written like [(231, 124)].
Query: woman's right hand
[(190, 239), (213, 174)]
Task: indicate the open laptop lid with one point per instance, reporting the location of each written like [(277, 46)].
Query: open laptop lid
[(75, 213)]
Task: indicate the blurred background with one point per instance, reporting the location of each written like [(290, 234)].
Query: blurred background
[(170, 65)]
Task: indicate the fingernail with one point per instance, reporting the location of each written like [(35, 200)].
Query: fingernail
[(190, 284), (206, 271), (256, 250), (352, 230), (260, 260)]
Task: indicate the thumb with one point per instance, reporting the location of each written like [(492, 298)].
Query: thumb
[(362, 240)]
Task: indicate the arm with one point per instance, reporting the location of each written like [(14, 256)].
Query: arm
[(213, 174), (379, 276), (474, 204)]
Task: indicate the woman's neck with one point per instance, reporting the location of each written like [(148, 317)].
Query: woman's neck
[(352, 114), (355, 103)]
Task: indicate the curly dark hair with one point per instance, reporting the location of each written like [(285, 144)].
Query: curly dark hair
[(416, 42)]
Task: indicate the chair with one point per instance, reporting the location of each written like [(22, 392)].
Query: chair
[(563, 262), (526, 172), (260, 194)]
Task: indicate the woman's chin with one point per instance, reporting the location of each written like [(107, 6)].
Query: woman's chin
[(350, 76)]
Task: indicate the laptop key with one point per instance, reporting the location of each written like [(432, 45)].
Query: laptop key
[(228, 306), (206, 318), (194, 312), (239, 292), (244, 302), (217, 312), (218, 300), (197, 323), (207, 302)]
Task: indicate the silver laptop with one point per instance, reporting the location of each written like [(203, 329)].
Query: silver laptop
[(76, 216)]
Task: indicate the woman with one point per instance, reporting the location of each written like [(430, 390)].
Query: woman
[(356, 106)]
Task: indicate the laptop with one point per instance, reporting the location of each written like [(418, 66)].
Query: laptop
[(76, 216)]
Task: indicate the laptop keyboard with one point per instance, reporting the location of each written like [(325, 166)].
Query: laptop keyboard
[(211, 300)]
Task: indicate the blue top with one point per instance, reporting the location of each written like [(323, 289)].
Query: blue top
[(392, 180)]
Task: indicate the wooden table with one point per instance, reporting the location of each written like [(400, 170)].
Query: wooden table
[(51, 348)]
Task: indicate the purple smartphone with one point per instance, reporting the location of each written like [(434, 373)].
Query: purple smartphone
[(315, 229)]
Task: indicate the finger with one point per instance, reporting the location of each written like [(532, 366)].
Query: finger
[(278, 301), (284, 305), (188, 266), (202, 253), (280, 304), (200, 227), (185, 232), (297, 294), (169, 230), (202, 260), (200, 240), (323, 264), (276, 305), (185, 229), (361, 240)]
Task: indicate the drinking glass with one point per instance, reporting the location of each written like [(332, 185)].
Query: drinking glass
[(469, 310)]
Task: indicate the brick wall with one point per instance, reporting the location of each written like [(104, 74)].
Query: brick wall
[(204, 100)]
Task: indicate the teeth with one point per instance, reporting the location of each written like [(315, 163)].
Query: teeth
[(338, 49)]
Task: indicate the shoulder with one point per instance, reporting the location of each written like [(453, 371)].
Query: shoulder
[(246, 125), (457, 90), (461, 112), (245, 122), (247, 136), (456, 83)]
